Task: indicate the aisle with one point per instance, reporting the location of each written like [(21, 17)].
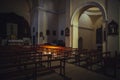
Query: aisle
[(79, 73), (76, 73)]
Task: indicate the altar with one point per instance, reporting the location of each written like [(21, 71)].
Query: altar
[(55, 51)]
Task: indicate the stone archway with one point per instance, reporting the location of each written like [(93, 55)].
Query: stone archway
[(75, 18)]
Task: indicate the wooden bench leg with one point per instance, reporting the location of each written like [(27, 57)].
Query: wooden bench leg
[(35, 72), (62, 67)]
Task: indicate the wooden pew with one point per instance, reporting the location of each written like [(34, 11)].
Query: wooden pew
[(117, 54), (109, 64), (26, 63), (14, 66), (95, 59), (81, 57)]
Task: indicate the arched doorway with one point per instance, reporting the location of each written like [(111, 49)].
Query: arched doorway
[(80, 43), (75, 23)]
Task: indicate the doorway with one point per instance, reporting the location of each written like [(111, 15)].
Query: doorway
[(80, 43)]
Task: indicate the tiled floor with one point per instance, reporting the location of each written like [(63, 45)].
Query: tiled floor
[(74, 72)]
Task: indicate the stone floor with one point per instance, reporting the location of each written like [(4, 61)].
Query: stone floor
[(74, 72)]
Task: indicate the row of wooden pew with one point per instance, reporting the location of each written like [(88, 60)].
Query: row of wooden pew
[(24, 62), (27, 62), (103, 60)]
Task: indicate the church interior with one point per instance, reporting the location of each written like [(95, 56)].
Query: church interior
[(59, 40)]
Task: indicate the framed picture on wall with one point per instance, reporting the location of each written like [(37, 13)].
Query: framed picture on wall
[(12, 30), (33, 29), (67, 31), (54, 33), (62, 32), (112, 28), (41, 34), (47, 32), (36, 34)]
